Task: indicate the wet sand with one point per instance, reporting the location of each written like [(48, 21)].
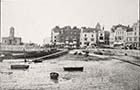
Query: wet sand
[(107, 74)]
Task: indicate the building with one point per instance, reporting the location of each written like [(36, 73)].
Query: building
[(75, 37), (133, 36), (112, 37), (94, 36), (88, 37), (67, 36), (55, 32), (106, 37), (71, 36), (100, 34), (11, 39), (118, 34)]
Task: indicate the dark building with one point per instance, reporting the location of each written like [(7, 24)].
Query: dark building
[(69, 37)]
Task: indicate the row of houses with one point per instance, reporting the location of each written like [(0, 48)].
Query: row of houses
[(125, 35), (87, 36), (79, 37)]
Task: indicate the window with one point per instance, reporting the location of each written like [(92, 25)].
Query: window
[(85, 39), (85, 35), (92, 39), (54, 40), (92, 35), (130, 39), (135, 38), (101, 38), (135, 33), (15, 41), (85, 43), (127, 39), (54, 36)]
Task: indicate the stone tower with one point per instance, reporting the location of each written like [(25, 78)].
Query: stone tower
[(12, 32), (98, 26)]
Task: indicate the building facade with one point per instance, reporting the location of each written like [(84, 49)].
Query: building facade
[(106, 37), (11, 39), (67, 36), (55, 35), (88, 37), (126, 35), (99, 34), (133, 36), (112, 37), (118, 34)]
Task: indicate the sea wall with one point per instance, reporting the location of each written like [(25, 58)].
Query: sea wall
[(18, 48)]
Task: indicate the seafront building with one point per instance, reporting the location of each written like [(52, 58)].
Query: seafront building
[(66, 36), (11, 39), (125, 35), (119, 33), (79, 37), (133, 35), (88, 37)]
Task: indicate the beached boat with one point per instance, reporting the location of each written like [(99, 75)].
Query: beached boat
[(38, 61), (18, 66), (73, 68), (54, 75)]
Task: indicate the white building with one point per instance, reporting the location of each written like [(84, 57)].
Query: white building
[(55, 35), (118, 34), (88, 37), (133, 35), (112, 38)]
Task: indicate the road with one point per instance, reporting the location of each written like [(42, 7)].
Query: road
[(98, 74)]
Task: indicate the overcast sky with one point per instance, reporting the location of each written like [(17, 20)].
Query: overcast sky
[(34, 19)]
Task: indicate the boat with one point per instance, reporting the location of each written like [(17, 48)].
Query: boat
[(54, 75), (73, 68), (19, 66), (37, 61)]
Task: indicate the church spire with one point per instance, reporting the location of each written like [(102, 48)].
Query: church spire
[(98, 26)]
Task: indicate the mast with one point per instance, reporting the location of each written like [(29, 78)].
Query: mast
[(0, 24)]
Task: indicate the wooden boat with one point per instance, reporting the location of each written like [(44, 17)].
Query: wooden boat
[(73, 68), (19, 66), (54, 75), (37, 61)]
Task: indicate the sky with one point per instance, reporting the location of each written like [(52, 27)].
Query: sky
[(34, 19)]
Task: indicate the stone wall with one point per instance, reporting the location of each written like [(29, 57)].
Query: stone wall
[(18, 48)]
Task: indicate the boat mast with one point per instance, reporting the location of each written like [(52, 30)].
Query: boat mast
[(0, 24)]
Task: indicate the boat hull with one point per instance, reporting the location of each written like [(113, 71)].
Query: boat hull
[(19, 66), (73, 68)]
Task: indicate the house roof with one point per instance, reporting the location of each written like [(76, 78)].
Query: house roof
[(56, 30), (119, 25), (89, 30), (129, 30)]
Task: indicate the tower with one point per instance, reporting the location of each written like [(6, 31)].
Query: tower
[(98, 26), (12, 32)]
